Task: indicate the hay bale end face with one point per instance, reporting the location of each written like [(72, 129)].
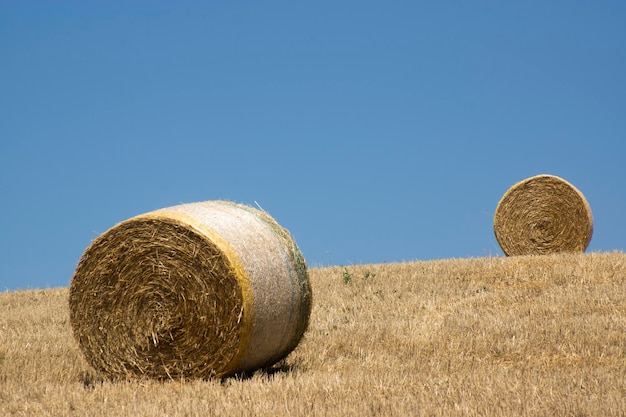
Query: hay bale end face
[(193, 291), (542, 215)]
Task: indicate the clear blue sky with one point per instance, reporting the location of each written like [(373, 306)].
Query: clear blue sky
[(373, 131)]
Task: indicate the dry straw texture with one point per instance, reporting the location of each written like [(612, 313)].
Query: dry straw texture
[(542, 215), (505, 336), (197, 290)]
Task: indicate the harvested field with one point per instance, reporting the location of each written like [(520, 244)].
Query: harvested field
[(501, 336)]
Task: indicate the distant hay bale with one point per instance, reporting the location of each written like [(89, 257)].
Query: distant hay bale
[(193, 291), (542, 215)]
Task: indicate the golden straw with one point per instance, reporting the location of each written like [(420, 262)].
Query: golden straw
[(541, 215)]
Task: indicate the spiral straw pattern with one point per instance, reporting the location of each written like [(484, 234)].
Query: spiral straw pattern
[(541, 215), (197, 290)]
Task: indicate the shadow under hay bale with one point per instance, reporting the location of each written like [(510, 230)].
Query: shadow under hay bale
[(198, 290), (542, 215)]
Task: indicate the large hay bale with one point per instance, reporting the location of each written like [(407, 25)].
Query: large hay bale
[(197, 290), (542, 215)]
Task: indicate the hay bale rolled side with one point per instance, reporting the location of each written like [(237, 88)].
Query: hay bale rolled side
[(197, 290), (541, 215)]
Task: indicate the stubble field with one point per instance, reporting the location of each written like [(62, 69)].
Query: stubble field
[(540, 336)]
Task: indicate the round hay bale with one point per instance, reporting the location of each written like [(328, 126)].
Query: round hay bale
[(197, 290), (542, 215)]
